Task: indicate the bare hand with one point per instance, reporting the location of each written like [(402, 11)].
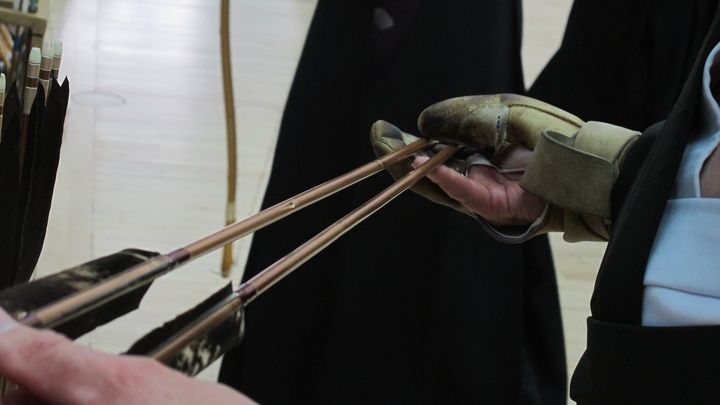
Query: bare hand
[(49, 368), (496, 197)]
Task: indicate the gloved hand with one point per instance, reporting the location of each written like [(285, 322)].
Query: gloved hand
[(495, 124), (501, 182), (561, 159), (387, 138)]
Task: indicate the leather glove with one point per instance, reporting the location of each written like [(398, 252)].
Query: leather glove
[(563, 160), (387, 138)]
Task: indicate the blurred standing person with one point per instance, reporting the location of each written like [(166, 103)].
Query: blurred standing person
[(625, 62), (383, 313)]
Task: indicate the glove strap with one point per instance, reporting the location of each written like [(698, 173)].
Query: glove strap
[(577, 173)]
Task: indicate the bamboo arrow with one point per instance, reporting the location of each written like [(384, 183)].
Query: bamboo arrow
[(195, 334), (86, 300)]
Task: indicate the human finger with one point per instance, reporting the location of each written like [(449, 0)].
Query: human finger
[(453, 183), (45, 363)]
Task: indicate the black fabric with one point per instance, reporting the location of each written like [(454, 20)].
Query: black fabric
[(619, 287), (417, 304), (630, 364), (631, 166), (625, 62), (625, 362)]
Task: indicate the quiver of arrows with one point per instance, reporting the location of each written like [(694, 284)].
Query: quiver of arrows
[(29, 157)]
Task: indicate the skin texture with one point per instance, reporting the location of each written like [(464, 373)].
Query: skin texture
[(494, 196), (50, 369), (710, 176)]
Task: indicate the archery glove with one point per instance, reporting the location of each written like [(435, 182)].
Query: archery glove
[(567, 162)]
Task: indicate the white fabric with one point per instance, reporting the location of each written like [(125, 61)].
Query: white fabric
[(682, 279)]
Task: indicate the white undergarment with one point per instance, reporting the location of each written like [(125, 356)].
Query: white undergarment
[(682, 279)]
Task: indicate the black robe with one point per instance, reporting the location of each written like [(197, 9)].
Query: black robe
[(639, 69), (624, 361), (417, 304), (624, 62)]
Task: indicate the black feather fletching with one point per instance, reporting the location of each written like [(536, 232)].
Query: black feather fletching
[(42, 179), (28, 168), (11, 108), (24, 298), (28, 176), (204, 350), (9, 188)]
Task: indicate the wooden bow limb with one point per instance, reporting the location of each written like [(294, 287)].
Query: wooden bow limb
[(227, 260), (86, 300), (173, 351)]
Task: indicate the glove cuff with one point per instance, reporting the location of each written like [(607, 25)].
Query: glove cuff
[(577, 173), (575, 227)]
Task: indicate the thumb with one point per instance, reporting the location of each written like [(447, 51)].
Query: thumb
[(457, 186)]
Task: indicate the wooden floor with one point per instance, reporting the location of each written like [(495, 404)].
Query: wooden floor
[(143, 162)]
